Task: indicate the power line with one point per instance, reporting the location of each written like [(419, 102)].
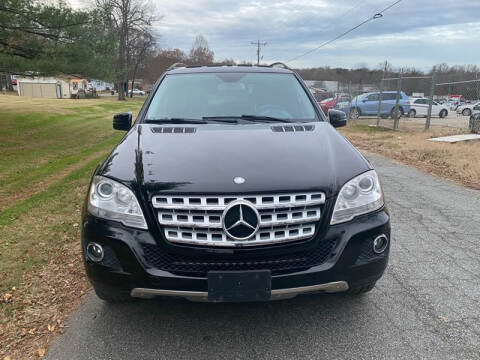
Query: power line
[(258, 44), (374, 17)]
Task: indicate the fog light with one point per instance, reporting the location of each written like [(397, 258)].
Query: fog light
[(95, 252), (380, 244)]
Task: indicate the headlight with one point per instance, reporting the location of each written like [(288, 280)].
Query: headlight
[(360, 195), (111, 200)]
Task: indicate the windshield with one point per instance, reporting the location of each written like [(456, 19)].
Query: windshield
[(207, 95)]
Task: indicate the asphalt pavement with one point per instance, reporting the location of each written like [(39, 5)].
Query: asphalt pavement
[(427, 306)]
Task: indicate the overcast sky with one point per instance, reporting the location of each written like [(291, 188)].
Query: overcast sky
[(417, 33)]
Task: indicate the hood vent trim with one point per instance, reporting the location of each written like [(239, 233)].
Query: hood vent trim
[(173, 130), (292, 128)]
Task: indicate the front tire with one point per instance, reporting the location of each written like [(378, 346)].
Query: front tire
[(412, 113), (112, 295), (466, 112), (443, 114), (354, 113), (400, 112), (359, 290)]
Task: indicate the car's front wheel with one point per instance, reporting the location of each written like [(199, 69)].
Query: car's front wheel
[(112, 295), (443, 113), (466, 112), (400, 112), (358, 290), (412, 113), (354, 113)]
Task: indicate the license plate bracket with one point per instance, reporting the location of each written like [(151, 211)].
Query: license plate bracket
[(239, 286)]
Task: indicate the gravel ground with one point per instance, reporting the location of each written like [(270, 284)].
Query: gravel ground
[(452, 120), (427, 306)]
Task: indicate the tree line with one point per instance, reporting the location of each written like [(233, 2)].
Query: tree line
[(114, 40)]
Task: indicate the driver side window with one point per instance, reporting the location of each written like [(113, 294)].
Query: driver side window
[(372, 97)]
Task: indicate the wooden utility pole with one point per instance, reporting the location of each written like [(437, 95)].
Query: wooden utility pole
[(258, 44)]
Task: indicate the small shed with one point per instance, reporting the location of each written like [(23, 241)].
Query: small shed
[(54, 87)]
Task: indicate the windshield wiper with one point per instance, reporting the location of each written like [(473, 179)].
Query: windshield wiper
[(176, 121), (223, 119), (250, 118), (264, 118)]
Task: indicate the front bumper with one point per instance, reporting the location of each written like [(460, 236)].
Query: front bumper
[(277, 294), (349, 264)]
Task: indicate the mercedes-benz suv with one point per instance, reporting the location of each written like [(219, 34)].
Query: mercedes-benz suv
[(233, 185)]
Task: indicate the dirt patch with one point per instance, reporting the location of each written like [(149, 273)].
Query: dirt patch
[(47, 298), (457, 162)]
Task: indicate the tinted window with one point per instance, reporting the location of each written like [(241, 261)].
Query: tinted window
[(372, 97), (421, 101), (389, 96), (230, 94)]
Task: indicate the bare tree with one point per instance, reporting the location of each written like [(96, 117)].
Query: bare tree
[(127, 18), (158, 61), (200, 53), (143, 42)]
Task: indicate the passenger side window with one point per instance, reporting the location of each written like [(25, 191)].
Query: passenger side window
[(421, 101), (372, 97), (389, 96)]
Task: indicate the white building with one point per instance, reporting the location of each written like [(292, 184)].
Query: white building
[(54, 87)]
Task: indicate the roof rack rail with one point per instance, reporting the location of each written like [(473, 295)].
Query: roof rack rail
[(176, 65), (279, 65)]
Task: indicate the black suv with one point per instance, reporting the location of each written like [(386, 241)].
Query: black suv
[(233, 185)]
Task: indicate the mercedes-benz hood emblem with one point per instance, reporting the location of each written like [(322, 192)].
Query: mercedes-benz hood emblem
[(240, 220)]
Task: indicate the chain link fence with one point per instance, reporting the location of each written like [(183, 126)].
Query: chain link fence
[(406, 98)]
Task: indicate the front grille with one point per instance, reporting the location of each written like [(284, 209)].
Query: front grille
[(198, 220), (200, 266)]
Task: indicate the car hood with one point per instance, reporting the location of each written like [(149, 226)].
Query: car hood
[(207, 159)]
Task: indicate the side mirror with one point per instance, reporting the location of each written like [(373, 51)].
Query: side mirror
[(122, 121), (337, 118)]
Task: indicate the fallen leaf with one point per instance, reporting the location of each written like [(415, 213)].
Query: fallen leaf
[(31, 331), (7, 358), (41, 352), (51, 327)]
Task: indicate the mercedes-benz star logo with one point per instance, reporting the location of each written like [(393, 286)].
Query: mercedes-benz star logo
[(240, 220), (238, 180)]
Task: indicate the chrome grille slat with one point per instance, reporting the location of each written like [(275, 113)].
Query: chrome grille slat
[(304, 231), (197, 220), (168, 202), (207, 222)]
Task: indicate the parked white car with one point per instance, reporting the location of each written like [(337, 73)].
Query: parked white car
[(137, 92), (419, 107), (467, 109)]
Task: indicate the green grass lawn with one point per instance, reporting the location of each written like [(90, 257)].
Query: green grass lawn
[(49, 149)]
